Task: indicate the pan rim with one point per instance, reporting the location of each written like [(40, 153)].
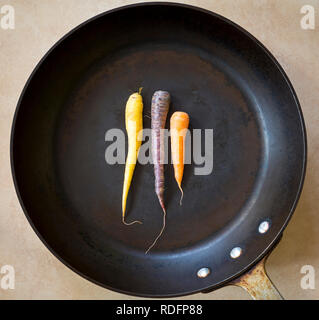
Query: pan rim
[(267, 250)]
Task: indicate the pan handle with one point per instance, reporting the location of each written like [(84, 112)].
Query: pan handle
[(257, 283)]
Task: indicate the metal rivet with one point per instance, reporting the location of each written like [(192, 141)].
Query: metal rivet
[(263, 227), (203, 272), (236, 252)]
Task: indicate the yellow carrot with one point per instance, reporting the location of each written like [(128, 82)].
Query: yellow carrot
[(134, 127), (179, 125)]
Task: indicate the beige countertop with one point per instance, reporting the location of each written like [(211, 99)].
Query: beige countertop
[(39, 24)]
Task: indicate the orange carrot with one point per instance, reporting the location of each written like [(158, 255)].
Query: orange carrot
[(179, 125)]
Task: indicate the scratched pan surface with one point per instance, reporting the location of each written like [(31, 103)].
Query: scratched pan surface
[(225, 80)]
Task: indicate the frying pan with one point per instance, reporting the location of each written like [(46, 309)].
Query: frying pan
[(226, 80)]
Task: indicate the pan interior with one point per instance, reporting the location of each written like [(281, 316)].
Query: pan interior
[(217, 74), (213, 100)]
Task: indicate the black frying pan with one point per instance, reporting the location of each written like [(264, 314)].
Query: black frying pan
[(226, 80)]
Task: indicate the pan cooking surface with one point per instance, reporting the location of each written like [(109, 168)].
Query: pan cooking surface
[(214, 71)]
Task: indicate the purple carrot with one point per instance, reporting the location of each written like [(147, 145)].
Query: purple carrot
[(160, 106)]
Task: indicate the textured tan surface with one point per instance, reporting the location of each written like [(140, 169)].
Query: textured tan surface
[(39, 24)]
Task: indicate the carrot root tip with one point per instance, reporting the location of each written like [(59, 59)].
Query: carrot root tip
[(162, 230), (181, 200), (130, 223)]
